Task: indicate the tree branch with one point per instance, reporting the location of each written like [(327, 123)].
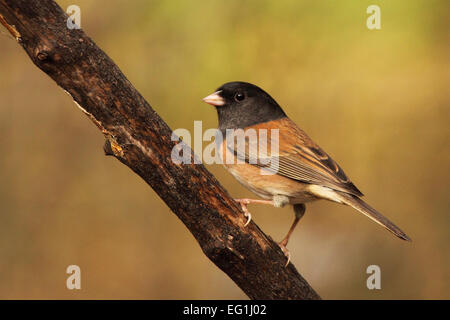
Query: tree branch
[(141, 140)]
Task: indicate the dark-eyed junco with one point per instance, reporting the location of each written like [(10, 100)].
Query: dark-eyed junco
[(303, 171)]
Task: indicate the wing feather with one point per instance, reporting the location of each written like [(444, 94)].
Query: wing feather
[(297, 157)]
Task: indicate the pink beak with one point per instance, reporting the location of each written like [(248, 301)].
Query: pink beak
[(215, 99)]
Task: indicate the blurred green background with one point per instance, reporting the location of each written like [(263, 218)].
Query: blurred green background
[(377, 101)]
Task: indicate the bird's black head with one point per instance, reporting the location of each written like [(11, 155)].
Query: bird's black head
[(242, 104)]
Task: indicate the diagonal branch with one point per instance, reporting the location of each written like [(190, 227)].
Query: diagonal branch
[(141, 140)]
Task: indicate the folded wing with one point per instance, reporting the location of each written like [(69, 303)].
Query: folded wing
[(296, 156)]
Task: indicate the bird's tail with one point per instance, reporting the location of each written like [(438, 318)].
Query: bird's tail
[(373, 214)]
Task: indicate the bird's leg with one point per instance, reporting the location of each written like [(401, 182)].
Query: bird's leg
[(299, 210), (245, 202)]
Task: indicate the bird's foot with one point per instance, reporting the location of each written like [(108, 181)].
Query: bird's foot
[(247, 214), (285, 250)]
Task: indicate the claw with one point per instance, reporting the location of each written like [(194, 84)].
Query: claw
[(286, 253), (247, 214)]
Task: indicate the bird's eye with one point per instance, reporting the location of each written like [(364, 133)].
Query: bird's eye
[(239, 96)]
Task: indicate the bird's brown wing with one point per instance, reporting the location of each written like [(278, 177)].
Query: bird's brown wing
[(297, 156)]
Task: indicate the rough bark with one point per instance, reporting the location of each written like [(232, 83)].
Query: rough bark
[(141, 140)]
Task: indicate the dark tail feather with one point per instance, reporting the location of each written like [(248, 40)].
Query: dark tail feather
[(373, 214)]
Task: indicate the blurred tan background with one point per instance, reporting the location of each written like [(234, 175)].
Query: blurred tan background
[(377, 101)]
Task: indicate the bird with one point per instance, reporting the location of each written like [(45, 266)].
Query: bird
[(295, 171)]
